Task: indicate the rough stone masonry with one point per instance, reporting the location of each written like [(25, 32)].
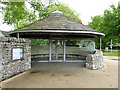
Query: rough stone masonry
[(95, 61), (8, 66)]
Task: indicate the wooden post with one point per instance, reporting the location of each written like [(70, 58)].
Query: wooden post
[(18, 36), (111, 45), (64, 50), (50, 50), (56, 49), (100, 43)]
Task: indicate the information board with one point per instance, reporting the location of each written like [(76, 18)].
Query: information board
[(17, 53)]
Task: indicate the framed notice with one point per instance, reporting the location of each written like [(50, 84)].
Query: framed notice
[(17, 53)]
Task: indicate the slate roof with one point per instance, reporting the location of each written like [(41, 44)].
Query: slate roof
[(57, 21), (56, 24), (4, 33)]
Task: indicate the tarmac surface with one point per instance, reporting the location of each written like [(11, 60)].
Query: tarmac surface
[(66, 75)]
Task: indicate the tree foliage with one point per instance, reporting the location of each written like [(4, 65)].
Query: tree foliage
[(108, 24), (17, 14)]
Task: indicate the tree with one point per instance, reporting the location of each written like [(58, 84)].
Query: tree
[(17, 14), (108, 24), (96, 23)]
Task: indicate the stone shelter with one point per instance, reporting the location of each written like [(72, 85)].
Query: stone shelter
[(16, 52), (57, 27)]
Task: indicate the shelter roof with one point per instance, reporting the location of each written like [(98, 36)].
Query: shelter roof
[(56, 24), (4, 34)]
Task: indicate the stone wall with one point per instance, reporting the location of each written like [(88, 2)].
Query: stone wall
[(95, 61), (8, 66)]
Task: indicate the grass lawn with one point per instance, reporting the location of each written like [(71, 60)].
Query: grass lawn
[(111, 53)]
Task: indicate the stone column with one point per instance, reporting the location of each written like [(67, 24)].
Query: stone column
[(94, 61)]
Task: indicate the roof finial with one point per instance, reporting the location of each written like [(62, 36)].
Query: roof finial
[(57, 12)]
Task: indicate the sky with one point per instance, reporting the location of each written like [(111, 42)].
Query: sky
[(89, 8), (85, 8)]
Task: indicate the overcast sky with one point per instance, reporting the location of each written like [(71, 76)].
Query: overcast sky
[(86, 9), (89, 8)]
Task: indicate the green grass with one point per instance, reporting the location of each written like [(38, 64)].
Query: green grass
[(111, 53)]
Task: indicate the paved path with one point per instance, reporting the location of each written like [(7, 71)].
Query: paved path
[(66, 75)]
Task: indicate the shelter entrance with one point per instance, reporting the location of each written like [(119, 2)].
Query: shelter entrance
[(53, 50), (57, 50), (62, 50)]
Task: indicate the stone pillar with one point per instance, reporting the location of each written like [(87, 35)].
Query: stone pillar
[(94, 61)]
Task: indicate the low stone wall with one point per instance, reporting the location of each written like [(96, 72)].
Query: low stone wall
[(95, 61), (8, 66)]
